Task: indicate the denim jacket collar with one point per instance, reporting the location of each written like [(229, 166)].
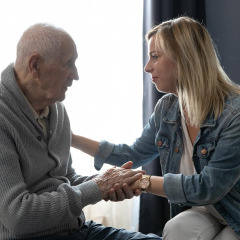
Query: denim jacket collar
[(173, 115), (209, 122)]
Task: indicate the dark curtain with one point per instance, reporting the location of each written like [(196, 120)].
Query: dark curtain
[(222, 21), (220, 17)]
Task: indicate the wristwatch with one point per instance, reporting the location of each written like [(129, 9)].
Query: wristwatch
[(144, 183)]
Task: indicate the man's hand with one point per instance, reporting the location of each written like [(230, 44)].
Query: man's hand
[(115, 183), (125, 192), (119, 193)]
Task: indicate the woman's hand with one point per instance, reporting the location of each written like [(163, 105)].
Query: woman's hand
[(116, 183), (127, 190)]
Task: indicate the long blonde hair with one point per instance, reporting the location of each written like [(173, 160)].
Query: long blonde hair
[(202, 85)]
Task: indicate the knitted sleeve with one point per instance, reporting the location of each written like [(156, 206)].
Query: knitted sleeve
[(43, 205)]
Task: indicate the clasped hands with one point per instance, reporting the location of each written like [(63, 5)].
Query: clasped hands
[(117, 184)]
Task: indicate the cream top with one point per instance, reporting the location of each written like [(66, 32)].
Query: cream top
[(187, 168)]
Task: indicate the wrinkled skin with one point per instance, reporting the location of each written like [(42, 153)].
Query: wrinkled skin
[(117, 184)]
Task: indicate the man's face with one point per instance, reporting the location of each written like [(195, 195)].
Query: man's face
[(56, 77)]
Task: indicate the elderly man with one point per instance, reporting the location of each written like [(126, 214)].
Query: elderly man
[(42, 197)]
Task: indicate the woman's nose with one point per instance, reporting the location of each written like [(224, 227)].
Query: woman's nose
[(148, 67)]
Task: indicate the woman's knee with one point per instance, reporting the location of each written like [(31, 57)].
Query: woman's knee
[(226, 233), (191, 224), (174, 227)]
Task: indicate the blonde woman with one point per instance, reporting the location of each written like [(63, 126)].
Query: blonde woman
[(195, 130)]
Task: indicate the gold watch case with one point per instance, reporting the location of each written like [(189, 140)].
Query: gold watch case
[(144, 183)]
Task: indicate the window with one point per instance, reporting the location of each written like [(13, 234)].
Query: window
[(106, 102)]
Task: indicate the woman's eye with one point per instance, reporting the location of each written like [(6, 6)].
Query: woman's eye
[(154, 57)]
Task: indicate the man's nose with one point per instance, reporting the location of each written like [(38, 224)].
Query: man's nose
[(75, 74)]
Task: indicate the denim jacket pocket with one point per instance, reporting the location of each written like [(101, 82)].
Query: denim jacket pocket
[(204, 149), (162, 143)]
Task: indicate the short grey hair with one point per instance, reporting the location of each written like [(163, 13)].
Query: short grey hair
[(41, 38)]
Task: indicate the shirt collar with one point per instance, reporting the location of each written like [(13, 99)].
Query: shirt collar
[(44, 112)]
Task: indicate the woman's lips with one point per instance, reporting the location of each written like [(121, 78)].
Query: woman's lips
[(154, 79)]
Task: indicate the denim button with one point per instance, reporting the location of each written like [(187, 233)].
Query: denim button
[(234, 112), (160, 143), (203, 151)]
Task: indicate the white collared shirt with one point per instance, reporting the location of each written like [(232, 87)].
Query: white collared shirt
[(42, 119)]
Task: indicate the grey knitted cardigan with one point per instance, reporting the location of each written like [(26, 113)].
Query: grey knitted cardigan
[(40, 193)]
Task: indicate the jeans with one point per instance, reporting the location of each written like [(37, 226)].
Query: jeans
[(95, 231)]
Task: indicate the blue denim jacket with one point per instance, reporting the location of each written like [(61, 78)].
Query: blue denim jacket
[(216, 156)]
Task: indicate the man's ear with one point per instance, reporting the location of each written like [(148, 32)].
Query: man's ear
[(34, 64)]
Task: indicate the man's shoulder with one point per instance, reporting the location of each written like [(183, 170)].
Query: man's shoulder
[(6, 113), (6, 99)]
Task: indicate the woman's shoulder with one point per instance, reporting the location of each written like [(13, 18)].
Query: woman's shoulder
[(167, 101), (232, 102), (231, 111)]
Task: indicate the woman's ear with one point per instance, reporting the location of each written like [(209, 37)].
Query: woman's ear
[(34, 65)]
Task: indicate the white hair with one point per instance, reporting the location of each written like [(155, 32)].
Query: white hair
[(41, 38)]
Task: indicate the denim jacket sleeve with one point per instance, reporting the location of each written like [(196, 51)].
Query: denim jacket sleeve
[(140, 153), (219, 166)]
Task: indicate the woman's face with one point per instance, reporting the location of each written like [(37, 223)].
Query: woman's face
[(161, 68)]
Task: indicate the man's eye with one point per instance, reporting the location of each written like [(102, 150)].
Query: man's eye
[(69, 63)]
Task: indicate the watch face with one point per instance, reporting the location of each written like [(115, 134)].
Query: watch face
[(144, 183)]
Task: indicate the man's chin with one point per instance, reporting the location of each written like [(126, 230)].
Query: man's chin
[(61, 99)]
